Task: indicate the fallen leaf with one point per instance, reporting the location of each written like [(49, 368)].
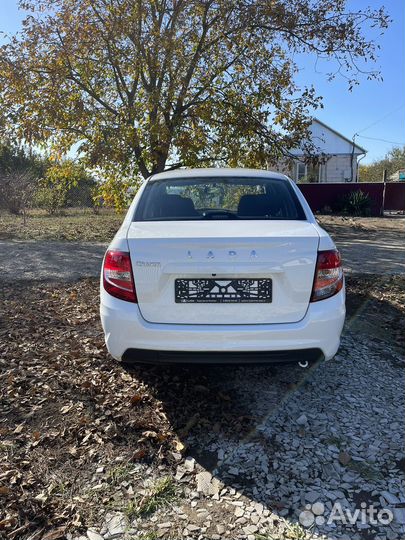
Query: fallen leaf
[(136, 399), (41, 497), (139, 454), (150, 434), (66, 409), (55, 534), (179, 446)]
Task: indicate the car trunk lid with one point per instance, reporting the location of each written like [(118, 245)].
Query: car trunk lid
[(163, 251)]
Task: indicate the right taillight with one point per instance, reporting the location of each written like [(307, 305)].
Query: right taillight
[(117, 275), (328, 275)]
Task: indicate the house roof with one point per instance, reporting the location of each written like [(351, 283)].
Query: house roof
[(363, 150)]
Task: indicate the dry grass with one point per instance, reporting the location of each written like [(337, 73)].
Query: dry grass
[(74, 225), (159, 495)]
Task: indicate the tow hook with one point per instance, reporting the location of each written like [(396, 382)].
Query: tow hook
[(303, 364)]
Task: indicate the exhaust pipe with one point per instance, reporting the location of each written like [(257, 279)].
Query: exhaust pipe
[(303, 364)]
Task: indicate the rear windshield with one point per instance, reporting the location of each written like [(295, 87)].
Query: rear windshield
[(219, 199)]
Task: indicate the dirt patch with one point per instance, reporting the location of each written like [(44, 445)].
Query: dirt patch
[(388, 223), (50, 261), (368, 245)]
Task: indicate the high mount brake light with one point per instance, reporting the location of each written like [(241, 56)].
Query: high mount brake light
[(118, 279), (328, 275)]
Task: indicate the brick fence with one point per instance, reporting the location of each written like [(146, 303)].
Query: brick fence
[(321, 195)]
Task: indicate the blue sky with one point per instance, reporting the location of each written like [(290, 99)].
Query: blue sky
[(375, 109)]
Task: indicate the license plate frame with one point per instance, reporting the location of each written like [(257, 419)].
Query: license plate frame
[(223, 290)]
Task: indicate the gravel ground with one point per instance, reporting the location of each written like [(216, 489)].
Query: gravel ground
[(321, 444)]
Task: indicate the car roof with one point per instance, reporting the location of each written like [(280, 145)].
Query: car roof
[(178, 174)]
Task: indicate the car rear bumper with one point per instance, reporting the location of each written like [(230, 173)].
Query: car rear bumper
[(126, 331), (145, 356)]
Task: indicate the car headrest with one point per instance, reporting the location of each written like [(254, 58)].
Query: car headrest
[(176, 206), (258, 205)]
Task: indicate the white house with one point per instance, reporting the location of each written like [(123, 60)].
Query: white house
[(335, 159)]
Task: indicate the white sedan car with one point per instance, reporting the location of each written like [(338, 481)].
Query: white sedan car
[(221, 266)]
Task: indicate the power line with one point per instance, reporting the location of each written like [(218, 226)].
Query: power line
[(381, 119), (382, 140)]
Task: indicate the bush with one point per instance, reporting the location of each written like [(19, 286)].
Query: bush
[(50, 198), (65, 184), (356, 203), (16, 191)]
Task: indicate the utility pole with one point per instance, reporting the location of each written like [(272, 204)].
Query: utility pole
[(352, 157), (384, 179)]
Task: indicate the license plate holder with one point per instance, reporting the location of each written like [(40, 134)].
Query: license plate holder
[(223, 291)]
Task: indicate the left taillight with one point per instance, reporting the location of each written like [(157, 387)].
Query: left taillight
[(328, 275), (118, 279)]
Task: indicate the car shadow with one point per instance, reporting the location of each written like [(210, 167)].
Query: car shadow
[(207, 404), (260, 430)]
